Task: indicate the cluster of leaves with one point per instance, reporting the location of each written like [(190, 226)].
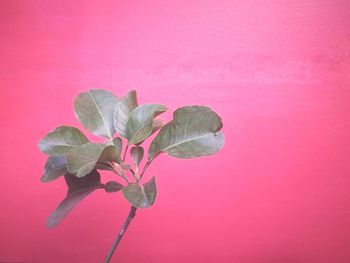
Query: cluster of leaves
[(193, 132)]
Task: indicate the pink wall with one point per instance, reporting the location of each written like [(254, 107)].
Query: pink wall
[(277, 72)]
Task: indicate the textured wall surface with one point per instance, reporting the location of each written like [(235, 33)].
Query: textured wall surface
[(276, 71)]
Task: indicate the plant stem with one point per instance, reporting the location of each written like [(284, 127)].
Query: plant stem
[(131, 215)]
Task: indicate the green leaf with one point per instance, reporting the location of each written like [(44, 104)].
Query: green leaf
[(157, 125), (112, 186), (122, 112), (76, 184), (140, 124), (141, 196), (78, 189), (150, 189), (55, 167), (94, 110), (193, 132), (83, 159), (104, 166), (118, 144), (61, 140), (136, 153)]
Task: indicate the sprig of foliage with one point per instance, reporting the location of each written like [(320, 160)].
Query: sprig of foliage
[(193, 132)]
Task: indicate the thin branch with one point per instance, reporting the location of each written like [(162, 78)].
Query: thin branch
[(144, 169), (134, 175), (131, 215), (126, 149), (125, 179), (132, 171)]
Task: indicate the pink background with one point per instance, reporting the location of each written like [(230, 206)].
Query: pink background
[(276, 71)]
